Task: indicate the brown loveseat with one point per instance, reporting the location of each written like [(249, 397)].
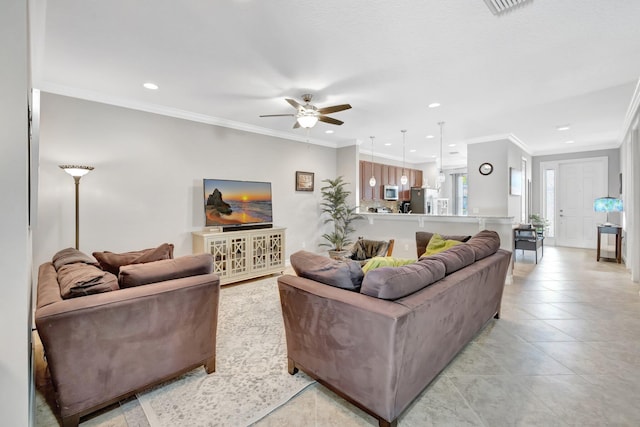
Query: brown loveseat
[(103, 347), (380, 347)]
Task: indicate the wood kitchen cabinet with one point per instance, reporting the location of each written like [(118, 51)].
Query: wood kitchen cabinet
[(387, 175)]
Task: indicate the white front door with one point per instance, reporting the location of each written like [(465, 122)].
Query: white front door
[(579, 183)]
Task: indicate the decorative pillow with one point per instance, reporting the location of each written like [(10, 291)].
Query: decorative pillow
[(438, 244), (386, 261), (167, 269), (455, 258), (112, 262), (391, 283), (345, 274), (423, 238), (71, 256), (79, 279), (485, 243)]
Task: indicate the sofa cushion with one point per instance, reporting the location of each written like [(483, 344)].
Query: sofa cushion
[(391, 283), (79, 279), (112, 262), (423, 238), (167, 269), (345, 274), (485, 243), (71, 256), (438, 244), (385, 261), (455, 258)]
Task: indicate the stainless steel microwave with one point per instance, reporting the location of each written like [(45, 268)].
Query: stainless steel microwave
[(390, 192)]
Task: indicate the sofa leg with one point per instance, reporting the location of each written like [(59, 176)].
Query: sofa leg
[(291, 367), (210, 365), (71, 421), (497, 315), (385, 423)]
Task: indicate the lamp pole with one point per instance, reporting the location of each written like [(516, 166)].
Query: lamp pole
[(77, 172)]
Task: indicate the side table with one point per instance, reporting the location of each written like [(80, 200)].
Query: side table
[(611, 229)]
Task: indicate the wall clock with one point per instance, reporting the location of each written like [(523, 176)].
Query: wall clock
[(486, 168)]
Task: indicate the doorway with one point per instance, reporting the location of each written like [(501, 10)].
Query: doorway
[(569, 188)]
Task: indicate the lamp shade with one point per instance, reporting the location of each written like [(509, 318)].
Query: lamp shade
[(607, 204), (75, 170)]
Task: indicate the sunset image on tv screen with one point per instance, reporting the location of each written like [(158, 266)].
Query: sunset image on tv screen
[(230, 202)]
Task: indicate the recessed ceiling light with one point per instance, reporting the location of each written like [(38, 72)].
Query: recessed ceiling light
[(328, 131), (413, 150), (563, 127), (150, 86), (452, 145), (387, 144), (569, 142), (434, 105), (429, 136), (434, 156)]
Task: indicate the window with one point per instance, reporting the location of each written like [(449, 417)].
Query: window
[(549, 201), (459, 193)]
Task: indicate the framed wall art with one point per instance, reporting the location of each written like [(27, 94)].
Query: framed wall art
[(304, 181)]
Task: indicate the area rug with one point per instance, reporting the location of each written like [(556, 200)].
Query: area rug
[(251, 378)]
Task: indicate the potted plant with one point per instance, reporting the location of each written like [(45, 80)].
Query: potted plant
[(340, 214), (539, 223)]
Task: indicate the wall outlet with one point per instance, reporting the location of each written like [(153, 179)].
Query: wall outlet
[(476, 210), (304, 245), (406, 247)]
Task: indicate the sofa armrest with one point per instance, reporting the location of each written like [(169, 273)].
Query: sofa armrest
[(352, 342), (103, 346)]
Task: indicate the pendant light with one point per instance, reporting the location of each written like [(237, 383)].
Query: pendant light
[(403, 178), (441, 177), (372, 180)]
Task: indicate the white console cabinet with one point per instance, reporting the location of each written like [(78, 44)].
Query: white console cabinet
[(241, 255)]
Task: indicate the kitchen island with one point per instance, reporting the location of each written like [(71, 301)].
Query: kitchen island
[(402, 228)]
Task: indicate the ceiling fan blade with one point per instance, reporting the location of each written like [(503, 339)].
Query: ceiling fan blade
[(296, 125), (334, 109), (295, 104), (330, 120), (277, 115)]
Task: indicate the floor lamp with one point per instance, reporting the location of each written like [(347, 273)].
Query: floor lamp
[(77, 172)]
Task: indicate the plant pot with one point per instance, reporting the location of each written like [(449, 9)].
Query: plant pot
[(339, 255)]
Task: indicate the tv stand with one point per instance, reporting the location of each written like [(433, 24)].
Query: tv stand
[(244, 254)]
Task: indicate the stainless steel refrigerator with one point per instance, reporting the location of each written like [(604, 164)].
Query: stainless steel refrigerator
[(417, 200)]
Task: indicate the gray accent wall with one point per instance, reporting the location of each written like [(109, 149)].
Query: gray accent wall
[(146, 188)]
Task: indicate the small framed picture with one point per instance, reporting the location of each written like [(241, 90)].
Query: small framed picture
[(304, 181)]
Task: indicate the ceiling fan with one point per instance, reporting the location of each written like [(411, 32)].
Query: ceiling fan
[(308, 115)]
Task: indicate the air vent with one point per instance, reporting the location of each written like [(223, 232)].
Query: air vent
[(500, 6)]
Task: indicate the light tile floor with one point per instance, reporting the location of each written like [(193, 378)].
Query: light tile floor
[(566, 352)]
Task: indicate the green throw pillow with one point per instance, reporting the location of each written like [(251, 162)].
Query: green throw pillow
[(437, 244), (385, 261)]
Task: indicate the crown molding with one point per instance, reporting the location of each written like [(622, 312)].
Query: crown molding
[(632, 112), (177, 113)]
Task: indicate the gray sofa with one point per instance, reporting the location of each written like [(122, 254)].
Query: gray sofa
[(381, 346), (102, 347)]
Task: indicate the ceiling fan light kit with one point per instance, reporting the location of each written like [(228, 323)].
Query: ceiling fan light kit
[(308, 115)]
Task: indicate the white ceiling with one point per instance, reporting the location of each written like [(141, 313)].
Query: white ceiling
[(547, 63)]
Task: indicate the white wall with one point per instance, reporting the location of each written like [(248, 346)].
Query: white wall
[(488, 194), (15, 264), (147, 184)]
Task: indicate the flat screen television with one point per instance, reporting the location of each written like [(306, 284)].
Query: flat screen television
[(230, 204)]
